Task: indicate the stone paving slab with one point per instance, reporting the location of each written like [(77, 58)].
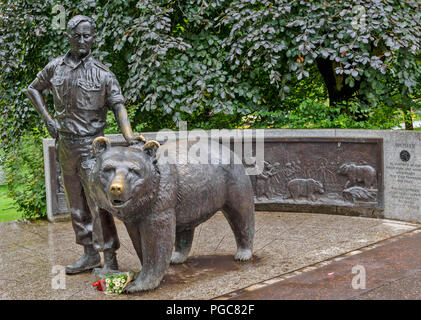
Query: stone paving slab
[(390, 271), (284, 242)]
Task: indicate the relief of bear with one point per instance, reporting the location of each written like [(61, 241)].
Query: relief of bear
[(161, 203), (358, 173), (304, 188)]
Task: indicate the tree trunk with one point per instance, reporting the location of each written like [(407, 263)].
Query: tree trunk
[(409, 125), (336, 87), (407, 102)]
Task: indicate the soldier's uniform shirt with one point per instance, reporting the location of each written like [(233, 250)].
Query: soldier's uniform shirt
[(82, 94)]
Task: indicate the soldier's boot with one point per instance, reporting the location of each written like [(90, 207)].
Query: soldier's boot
[(110, 260), (90, 260), (110, 265)]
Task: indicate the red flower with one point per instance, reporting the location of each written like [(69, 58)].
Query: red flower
[(100, 285)]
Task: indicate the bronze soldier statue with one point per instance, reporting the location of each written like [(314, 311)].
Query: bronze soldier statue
[(83, 89)]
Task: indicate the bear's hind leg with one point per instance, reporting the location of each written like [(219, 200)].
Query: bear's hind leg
[(241, 220), (183, 243)]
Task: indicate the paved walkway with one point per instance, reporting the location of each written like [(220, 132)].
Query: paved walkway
[(32, 253), (390, 270)]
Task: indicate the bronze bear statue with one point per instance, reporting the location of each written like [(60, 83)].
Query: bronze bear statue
[(161, 203)]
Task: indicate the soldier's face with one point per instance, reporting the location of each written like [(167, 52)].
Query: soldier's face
[(81, 39)]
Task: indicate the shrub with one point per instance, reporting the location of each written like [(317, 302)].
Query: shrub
[(314, 114), (24, 171)]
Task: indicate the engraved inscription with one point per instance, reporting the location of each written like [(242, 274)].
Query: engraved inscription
[(406, 186)]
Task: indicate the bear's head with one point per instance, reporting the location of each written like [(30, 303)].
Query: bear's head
[(343, 169), (126, 179), (318, 186)]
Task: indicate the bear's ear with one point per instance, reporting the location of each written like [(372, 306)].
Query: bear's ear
[(137, 142), (100, 144), (151, 147), (141, 139)]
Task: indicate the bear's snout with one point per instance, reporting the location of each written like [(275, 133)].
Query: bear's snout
[(321, 189), (117, 185)]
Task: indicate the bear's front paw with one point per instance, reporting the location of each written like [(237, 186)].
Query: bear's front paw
[(138, 286)]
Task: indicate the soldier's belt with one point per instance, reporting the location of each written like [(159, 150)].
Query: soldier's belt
[(77, 138)]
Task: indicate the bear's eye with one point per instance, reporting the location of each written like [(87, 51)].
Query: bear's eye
[(108, 169), (135, 171)]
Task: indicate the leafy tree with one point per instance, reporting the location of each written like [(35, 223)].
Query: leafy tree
[(361, 48), (212, 63)]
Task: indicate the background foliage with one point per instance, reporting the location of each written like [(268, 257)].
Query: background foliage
[(227, 64), (24, 170)]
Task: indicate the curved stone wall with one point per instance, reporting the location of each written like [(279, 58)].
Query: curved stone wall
[(371, 173)]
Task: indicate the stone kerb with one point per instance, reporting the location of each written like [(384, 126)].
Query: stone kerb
[(373, 173)]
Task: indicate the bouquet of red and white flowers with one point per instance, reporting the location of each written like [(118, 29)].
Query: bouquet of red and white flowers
[(114, 283)]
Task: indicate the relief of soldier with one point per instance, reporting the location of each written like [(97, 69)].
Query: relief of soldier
[(264, 183)]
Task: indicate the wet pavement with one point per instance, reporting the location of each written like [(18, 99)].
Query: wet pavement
[(292, 256), (387, 271)]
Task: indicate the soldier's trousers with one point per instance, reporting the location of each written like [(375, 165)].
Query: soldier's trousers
[(99, 229)]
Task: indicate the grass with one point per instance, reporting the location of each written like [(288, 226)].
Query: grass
[(8, 211)]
